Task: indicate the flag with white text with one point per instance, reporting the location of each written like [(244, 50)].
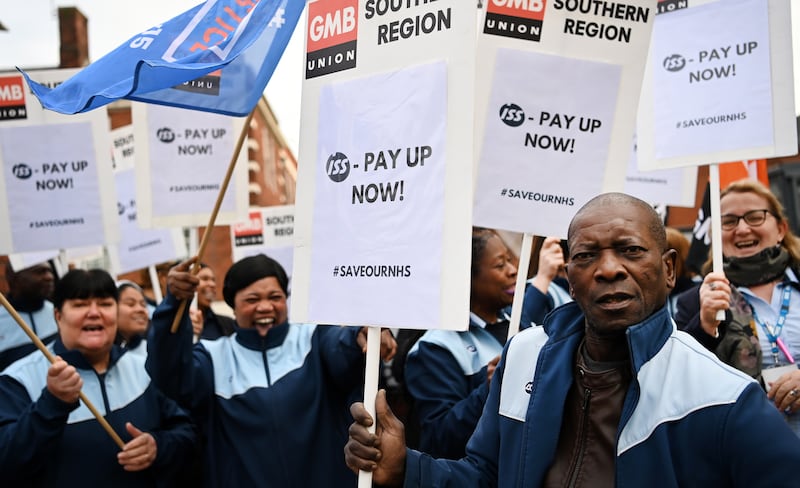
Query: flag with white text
[(215, 57)]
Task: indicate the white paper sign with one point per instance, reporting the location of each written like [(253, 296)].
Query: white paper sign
[(723, 93), (53, 187), (369, 187), (266, 228), (27, 259), (56, 186), (122, 148), (537, 145), (268, 231), (139, 248), (698, 107), (561, 80), (674, 186), (372, 69), (181, 160)]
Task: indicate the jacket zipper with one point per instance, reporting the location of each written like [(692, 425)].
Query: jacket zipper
[(266, 366), (576, 468), (102, 379)]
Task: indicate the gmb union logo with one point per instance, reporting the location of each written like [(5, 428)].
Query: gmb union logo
[(673, 63), (165, 134), (512, 115), (22, 171), (337, 167)]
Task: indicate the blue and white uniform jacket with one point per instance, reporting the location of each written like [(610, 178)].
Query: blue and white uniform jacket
[(47, 442), (274, 409), (687, 420), (14, 343), (446, 375)]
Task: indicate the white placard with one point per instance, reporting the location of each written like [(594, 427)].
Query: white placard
[(561, 80), (370, 188), (53, 187), (266, 228), (723, 93), (362, 58), (56, 183), (181, 160), (122, 148), (27, 259), (268, 231), (698, 109), (674, 186), (544, 148), (139, 248)]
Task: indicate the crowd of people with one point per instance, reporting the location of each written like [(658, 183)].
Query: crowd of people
[(623, 372)]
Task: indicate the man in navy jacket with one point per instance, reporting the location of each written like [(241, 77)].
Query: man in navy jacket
[(607, 393)]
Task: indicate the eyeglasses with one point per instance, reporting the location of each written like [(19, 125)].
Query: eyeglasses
[(753, 218)]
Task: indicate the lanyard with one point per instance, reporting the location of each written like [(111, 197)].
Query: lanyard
[(774, 332)]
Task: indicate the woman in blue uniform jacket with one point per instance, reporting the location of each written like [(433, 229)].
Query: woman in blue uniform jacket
[(48, 438), (271, 399), (448, 372)]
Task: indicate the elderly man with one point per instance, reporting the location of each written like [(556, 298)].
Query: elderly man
[(29, 293), (607, 393)]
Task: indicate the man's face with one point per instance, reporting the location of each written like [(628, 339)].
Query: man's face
[(207, 288), (36, 282), (617, 272)]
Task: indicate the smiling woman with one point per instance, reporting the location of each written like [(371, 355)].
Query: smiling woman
[(132, 316), (759, 291), (86, 312), (47, 438), (272, 396), (448, 373)]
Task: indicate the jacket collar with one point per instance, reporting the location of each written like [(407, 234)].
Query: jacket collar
[(251, 339), (645, 339), (75, 358), (28, 305)]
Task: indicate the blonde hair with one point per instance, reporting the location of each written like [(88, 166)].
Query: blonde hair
[(790, 241)]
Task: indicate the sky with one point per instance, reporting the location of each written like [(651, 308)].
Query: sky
[(32, 42)]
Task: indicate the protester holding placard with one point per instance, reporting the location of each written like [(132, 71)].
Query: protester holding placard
[(48, 438), (270, 399), (548, 289), (607, 392), (448, 372), (760, 292), (211, 325), (29, 292)]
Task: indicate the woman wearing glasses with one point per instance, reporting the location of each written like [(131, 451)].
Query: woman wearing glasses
[(759, 291)]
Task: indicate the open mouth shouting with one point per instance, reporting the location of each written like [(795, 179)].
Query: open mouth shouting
[(264, 324)]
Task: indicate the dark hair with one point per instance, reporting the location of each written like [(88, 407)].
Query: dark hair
[(128, 284), (480, 236), (81, 284), (249, 270)]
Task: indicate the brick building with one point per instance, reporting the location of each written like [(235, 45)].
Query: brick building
[(272, 168)]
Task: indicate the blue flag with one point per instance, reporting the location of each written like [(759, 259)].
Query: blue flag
[(215, 57)]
